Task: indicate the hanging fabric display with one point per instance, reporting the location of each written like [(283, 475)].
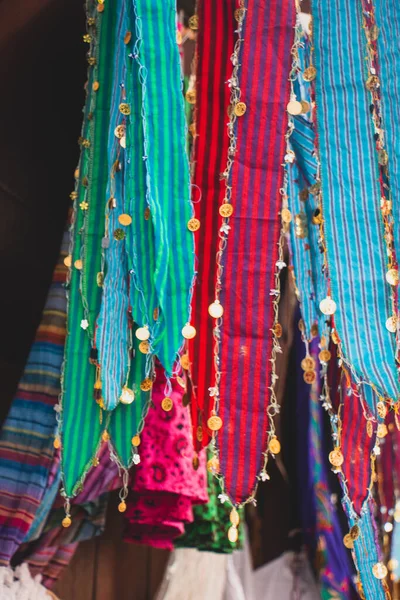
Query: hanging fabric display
[(215, 42), (353, 229), (248, 287), (167, 173), (80, 417), (29, 433)]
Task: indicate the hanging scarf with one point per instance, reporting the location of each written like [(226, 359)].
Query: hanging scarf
[(252, 247), (215, 42), (167, 171), (27, 436), (351, 196), (81, 416)]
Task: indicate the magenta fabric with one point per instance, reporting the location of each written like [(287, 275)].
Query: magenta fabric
[(165, 485)]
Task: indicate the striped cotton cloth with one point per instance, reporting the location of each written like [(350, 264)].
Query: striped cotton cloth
[(81, 427), (215, 42), (26, 438), (351, 197), (167, 170), (252, 247)]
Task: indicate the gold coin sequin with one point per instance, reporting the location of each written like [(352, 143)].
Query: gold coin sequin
[(278, 330), (324, 356), (234, 517), (167, 404), (309, 377), (214, 423), (185, 362), (294, 107), (310, 73), (66, 522), (124, 108), (239, 14), (144, 347), (105, 436), (195, 462), (216, 310), (127, 37), (370, 429), (286, 215), (307, 363), (379, 570), (191, 96), (347, 541), (188, 331), (100, 279), (274, 446), (305, 107), (193, 224), (314, 330), (136, 441), (146, 384), (95, 86), (233, 534), (226, 210), (122, 507), (147, 213), (100, 8), (381, 409), (194, 22), (391, 324), (68, 260), (336, 457), (78, 264), (213, 465), (327, 306), (127, 395), (392, 277), (57, 443), (382, 430), (125, 219), (119, 131), (240, 108), (199, 433)]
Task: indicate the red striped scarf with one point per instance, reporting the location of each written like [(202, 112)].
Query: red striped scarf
[(252, 249)]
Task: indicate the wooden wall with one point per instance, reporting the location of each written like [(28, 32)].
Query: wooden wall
[(108, 569)]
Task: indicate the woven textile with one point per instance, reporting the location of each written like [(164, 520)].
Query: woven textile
[(26, 439), (167, 171), (215, 42), (81, 425), (351, 195), (252, 250)]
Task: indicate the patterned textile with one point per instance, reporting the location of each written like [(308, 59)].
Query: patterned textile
[(387, 16), (167, 171), (335, 573), (81, 425), (208, 531), (165, 484), (26, 439), (215, 42), (351, 195), (252, 250)]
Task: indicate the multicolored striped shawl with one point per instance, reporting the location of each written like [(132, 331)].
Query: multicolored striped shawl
[(252, 247), (26, 438), (351, 195)]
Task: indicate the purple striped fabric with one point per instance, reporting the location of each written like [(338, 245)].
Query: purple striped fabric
[(251, 253)]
